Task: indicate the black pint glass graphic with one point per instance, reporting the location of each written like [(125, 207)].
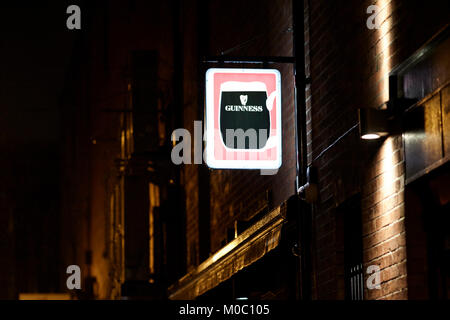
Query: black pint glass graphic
[(244, 110)]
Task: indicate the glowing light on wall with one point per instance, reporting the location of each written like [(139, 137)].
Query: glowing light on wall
[(388, 162), (383, 48), (370, 136), (153, 191), (390, 198), (373, 123)]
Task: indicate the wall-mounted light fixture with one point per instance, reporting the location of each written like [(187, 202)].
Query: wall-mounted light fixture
[(377, 123), (373, 123)]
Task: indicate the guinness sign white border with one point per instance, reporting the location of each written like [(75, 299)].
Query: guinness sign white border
[(244, 86)]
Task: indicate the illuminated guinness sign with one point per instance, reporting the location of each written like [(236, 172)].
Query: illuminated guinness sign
[(243, 118)]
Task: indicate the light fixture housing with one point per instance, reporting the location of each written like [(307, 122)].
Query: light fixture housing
[(373, 123)]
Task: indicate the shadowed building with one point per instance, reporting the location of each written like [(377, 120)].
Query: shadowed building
[(343, 217)]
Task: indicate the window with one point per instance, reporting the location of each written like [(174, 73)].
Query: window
[(349, 222), (153, 191)]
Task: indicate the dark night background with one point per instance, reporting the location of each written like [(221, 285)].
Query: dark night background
[(36, 49), (86, 178)]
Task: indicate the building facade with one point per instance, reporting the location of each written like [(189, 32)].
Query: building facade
[(343, 217), (362, 225)]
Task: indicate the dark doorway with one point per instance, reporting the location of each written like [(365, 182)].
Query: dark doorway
[(349, 245), (428, 235)]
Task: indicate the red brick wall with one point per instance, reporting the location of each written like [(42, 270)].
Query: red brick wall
[(349, 66), (383, 220)]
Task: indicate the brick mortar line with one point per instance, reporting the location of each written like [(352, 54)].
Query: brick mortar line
[(383, 172), (393, 279), (367, 210), (384, 214), (387, 212), (389, 294), (387, 253), (384, 228), (379, 189), (395, 292), (383, 199), (405, 260)]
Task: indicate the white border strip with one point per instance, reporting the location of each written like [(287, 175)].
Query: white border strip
[(209, 98)]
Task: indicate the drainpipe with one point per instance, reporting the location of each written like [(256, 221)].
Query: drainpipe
[(304, 174), (204, 187)]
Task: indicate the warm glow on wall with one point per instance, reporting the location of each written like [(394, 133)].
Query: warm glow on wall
[(153, 191), (388, 162), (389, 197), (44, 296), (383, 48)]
